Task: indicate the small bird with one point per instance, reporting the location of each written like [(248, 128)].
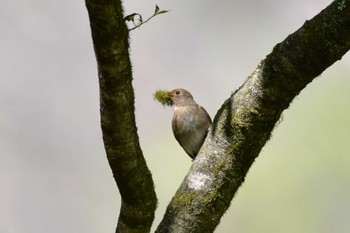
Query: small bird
[(190, 121)]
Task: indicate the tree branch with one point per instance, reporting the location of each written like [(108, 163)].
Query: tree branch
[(245, 121), (134, 180)]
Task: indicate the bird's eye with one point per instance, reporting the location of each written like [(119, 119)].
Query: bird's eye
[(177, 92)]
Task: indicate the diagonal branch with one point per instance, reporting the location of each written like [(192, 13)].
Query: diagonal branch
[(245, 121), (134, 180)]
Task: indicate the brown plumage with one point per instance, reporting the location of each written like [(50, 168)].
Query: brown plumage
[(190, 121)]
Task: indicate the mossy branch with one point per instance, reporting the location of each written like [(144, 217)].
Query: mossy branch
[(240, 129), (110, 36), (245, 121)]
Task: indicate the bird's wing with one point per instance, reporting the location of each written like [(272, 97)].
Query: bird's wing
[(177, 134), (207, 115)]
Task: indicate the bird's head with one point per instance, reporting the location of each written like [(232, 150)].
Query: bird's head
[(181, 97)]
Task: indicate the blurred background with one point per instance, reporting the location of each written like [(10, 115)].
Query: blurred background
[(54, 176)]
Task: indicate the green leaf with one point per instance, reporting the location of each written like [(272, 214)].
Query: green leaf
[(130, 17), (162, 12), (156, 10)]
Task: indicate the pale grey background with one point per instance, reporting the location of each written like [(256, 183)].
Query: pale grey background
[(54, 176)]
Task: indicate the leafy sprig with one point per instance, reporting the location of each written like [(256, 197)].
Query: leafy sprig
[(136, 16)]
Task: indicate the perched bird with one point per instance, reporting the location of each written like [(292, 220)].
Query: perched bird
[(190, 121)]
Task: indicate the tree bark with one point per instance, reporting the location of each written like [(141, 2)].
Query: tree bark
[(134, 180), (245, 121), (240, 129)]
